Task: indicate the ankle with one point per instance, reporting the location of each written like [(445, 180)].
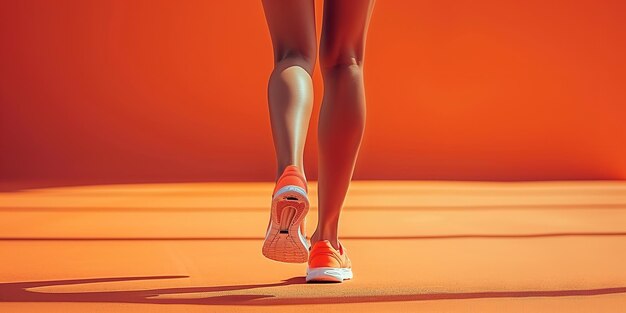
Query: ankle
[(321, 236)]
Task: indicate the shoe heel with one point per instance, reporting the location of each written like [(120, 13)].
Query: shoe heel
[(284, 242)]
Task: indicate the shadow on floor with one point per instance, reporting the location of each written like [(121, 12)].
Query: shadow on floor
[(18, 292)]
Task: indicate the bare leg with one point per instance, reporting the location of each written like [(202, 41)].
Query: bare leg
[(290, 87), (342, 115)]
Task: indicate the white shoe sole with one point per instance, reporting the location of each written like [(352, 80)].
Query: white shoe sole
[(328, 274), (283, 241)]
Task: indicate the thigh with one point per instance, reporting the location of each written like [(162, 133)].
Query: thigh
[(344, 30), (292, 28)]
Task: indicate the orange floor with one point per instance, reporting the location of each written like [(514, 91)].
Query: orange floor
[(416, 246)]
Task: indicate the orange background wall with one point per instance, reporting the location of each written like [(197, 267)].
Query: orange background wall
[(119, 90)]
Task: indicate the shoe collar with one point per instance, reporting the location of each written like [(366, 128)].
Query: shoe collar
[(341, 249)]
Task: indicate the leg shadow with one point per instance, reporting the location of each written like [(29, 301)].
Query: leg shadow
[(18, 292)]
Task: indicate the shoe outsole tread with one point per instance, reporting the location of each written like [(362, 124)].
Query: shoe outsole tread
[(285, 243)]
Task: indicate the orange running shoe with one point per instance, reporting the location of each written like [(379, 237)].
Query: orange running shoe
[(285, 240), (326, 264)]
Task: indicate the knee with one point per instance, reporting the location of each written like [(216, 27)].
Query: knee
[(344, 59), (294, 58)]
